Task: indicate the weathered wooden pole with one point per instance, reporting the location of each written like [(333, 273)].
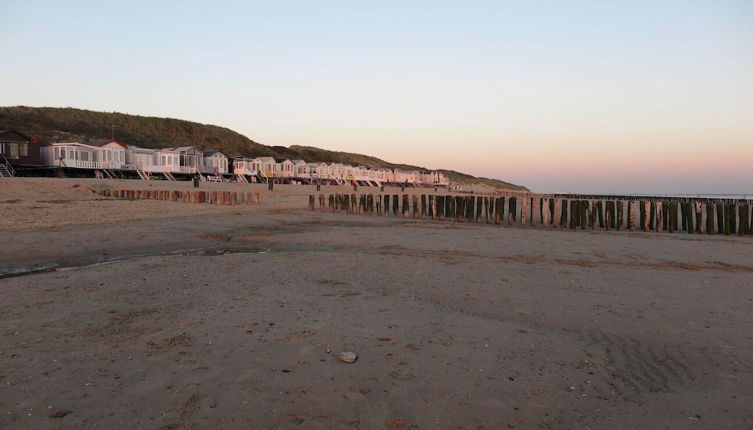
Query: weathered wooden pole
[(424, 208), (742, 220), (406, 206), (574, 216), (584, 212), (479, 203), (620, 218), (710, 211), (545, 213), (499, 210), (457, 209), (512, 210), (433, 207), (524, 208), (378, 204), (469, 208), (311, 202), (729, 218), (674, 210), (659, 215), (563, 213), (415, 206), (609, 214), (535, 211), (600, 212), (720, 221), (395, 204), (698, 209)]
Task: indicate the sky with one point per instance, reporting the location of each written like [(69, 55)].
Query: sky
[(560, 96)]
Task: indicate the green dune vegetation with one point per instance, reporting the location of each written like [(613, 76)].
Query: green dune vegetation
[(70, 124)]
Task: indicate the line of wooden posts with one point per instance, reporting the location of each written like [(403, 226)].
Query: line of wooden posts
[(689, 215), (210, 197)]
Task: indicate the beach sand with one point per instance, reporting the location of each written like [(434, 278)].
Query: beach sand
[(170, 315)]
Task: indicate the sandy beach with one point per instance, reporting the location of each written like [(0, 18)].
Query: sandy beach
[(171, 315)]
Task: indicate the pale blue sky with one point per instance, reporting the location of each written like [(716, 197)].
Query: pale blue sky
[(560, 96)]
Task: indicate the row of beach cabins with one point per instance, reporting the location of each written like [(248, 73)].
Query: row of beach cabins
[(114, 159)]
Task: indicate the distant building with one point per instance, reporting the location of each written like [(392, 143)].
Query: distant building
[(19, 149)]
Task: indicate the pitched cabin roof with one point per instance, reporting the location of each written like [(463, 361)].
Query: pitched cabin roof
[(14, 136), (214, 152), (79, 144), (297, 162), (188, 149), (266, 159), (139, 149), (105, 142)]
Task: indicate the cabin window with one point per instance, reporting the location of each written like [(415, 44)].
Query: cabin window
[(84, 156), (13, 150), (24, 149)]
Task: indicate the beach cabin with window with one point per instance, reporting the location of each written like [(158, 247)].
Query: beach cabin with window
[(73, 155), (166, 160), (191, 159), (243, 166), (18, 149), (215, 162), (140, 159), (111, 153), (300, 169), (267, 166), (285, 168)]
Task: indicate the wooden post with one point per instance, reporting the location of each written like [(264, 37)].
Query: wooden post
[(499, 210), (563, 213), (535, 211), (674, 210), (584, 212), (433, 207), (395, 205), (659, 209), (742, 220), (512, 210), (379, 205), (414, 213), (311, 202), (524, 208), (608, 215), (620, 218), (729, 221), (468, 205), (479, 203), (544, 206), (710, 210), (574, 216), (406, 206), (424, 208), (698, 209), (642, 213)]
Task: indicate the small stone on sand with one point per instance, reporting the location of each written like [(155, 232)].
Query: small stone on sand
[(347, 357)]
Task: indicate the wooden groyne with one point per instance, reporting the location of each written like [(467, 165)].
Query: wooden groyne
[(694, 216), (229, 198)]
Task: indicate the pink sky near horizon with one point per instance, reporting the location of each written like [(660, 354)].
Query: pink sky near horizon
[(602, 97)]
